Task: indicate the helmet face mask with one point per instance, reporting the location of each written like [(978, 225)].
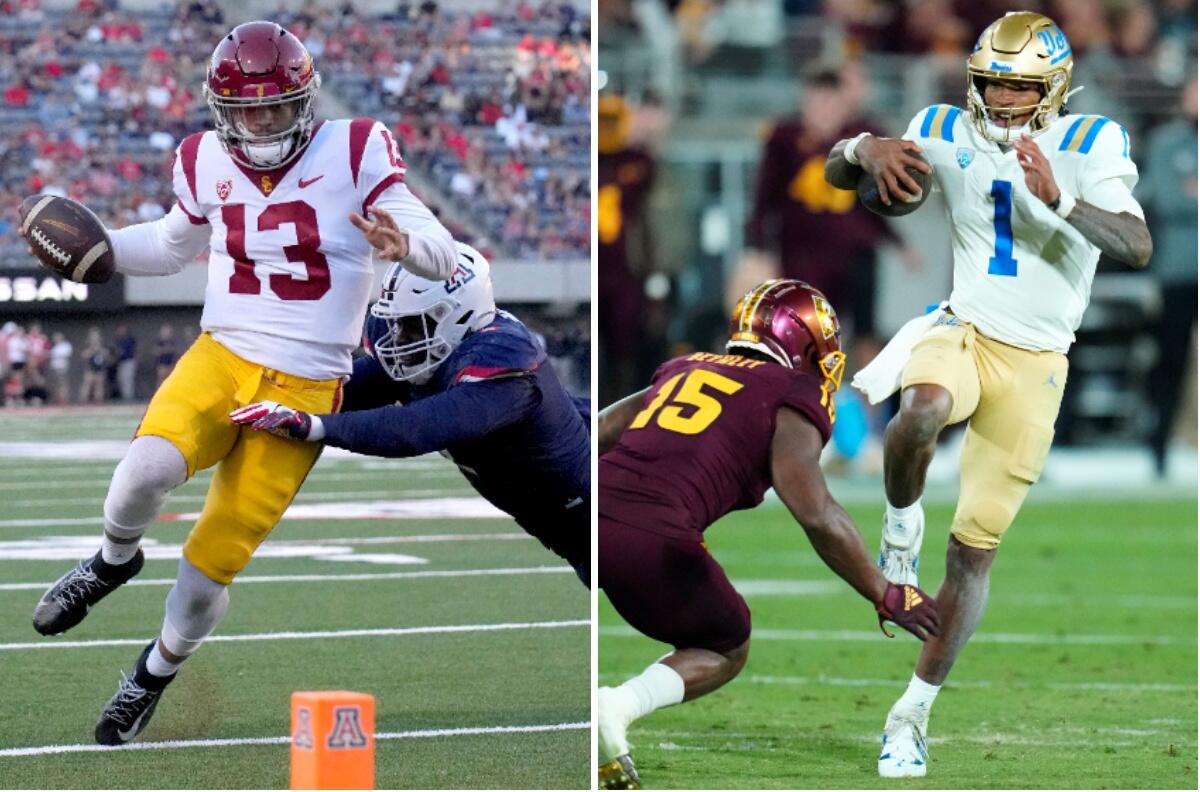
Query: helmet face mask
[(1021, 47), (261, 88), (417, 323)]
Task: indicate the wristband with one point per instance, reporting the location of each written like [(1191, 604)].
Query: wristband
[(316, 432), (1062, 205), (848, 152)]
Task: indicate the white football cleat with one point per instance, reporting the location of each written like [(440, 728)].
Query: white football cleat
[(903, 753), (900, 548), (612, 721)]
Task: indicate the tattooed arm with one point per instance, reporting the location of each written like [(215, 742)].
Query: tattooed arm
[(1123, 236)]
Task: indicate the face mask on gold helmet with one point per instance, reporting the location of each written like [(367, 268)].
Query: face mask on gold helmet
[(1022, 47)]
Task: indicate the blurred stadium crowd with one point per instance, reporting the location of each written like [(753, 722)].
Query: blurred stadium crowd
[(491, 108), (733, 123)]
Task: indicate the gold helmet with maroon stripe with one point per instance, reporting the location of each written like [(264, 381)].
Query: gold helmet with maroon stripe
[(792, 323)]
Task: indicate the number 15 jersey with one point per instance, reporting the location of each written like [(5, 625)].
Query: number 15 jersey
[(701, 446), (289, 277), (1022, 274)]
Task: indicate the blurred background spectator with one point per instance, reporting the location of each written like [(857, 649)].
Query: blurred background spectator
[(729, 210)]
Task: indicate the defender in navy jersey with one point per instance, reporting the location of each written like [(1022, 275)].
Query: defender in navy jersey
[(449, 372), (709, 436)]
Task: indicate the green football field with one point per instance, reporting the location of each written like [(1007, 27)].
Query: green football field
[(472, 637), (1082, 674)]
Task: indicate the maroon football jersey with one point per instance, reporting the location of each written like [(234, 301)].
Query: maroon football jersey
[(701, 446)]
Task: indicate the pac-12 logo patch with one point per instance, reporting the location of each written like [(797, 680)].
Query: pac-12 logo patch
[(224, 188), (460, 277), (347, 729), (965, 156)]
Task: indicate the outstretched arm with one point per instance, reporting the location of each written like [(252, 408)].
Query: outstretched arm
[(459, 415), (1119, 235), (796, 474), (615, 419)]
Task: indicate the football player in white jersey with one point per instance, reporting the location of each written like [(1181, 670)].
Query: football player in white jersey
[(282, 202), (1034, 196)]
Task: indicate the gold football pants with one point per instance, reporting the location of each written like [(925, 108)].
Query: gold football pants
[(1012, 397), (258, 474)]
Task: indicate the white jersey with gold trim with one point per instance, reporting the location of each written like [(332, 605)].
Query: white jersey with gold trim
[(1022, 274), (289, 276)]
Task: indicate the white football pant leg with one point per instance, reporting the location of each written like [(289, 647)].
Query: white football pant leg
[(195, 607)]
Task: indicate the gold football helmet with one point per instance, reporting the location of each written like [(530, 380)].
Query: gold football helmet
[(1026, 47)]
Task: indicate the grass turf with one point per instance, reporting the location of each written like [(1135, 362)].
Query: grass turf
[(471, 679), (1082, 674)]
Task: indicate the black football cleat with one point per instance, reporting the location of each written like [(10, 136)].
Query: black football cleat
[(619, 774), (70, 599), (128, 711)]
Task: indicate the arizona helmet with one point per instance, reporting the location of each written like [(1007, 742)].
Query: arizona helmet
[(417, 323), (792, 323), (1021, 46), (261, 65)]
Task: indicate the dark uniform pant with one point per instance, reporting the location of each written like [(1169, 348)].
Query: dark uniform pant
[(670, 588)]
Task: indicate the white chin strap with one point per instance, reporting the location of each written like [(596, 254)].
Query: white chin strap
[(1005, 135)]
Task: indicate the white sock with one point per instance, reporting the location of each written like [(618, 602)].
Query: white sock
[(918, 699), (656, 687), (160, 666), (117, 550), (902, 516)]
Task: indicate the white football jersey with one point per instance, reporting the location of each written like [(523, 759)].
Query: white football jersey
[(289, 277), (1022, 274)]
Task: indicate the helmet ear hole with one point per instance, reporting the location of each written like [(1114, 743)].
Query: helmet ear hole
[(466, 317)]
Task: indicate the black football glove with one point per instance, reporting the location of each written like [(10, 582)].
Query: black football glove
[(910, 608)]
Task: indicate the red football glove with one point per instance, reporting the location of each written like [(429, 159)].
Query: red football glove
[(910, 608), (272, 417)]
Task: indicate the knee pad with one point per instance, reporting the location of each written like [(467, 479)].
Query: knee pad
[(195, 607), (151, 468)]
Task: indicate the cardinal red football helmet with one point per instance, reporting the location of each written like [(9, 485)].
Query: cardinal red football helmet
[(793, 324), (261, 86)]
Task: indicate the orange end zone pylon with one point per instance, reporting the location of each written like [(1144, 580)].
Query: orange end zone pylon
[(333, 740)]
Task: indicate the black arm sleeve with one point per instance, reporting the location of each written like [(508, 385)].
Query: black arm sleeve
[(369, 386), (465, 412)]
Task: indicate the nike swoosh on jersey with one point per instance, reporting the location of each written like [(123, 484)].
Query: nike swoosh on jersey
[(305, 182)]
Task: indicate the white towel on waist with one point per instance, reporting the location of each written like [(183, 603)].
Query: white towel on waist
[(880, 378)]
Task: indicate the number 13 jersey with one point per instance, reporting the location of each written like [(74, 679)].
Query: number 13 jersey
[(701, 446), (1023, 275), (289, 277)]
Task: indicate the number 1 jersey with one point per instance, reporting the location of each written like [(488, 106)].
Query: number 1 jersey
[(701, 446), (289, 277), (1022, 274)]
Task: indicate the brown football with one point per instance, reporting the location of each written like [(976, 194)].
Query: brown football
[(868, 194), (67, 238)]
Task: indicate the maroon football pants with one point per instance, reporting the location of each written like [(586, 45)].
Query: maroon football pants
[(670, 589)]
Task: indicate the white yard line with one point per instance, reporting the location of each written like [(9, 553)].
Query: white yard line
[(435, 629), (447, 471), (445, 573), (999, 638), (302, 497), (761, 679), (42, 750)]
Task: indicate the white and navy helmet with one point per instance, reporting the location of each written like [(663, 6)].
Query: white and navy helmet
[(417, 323)]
